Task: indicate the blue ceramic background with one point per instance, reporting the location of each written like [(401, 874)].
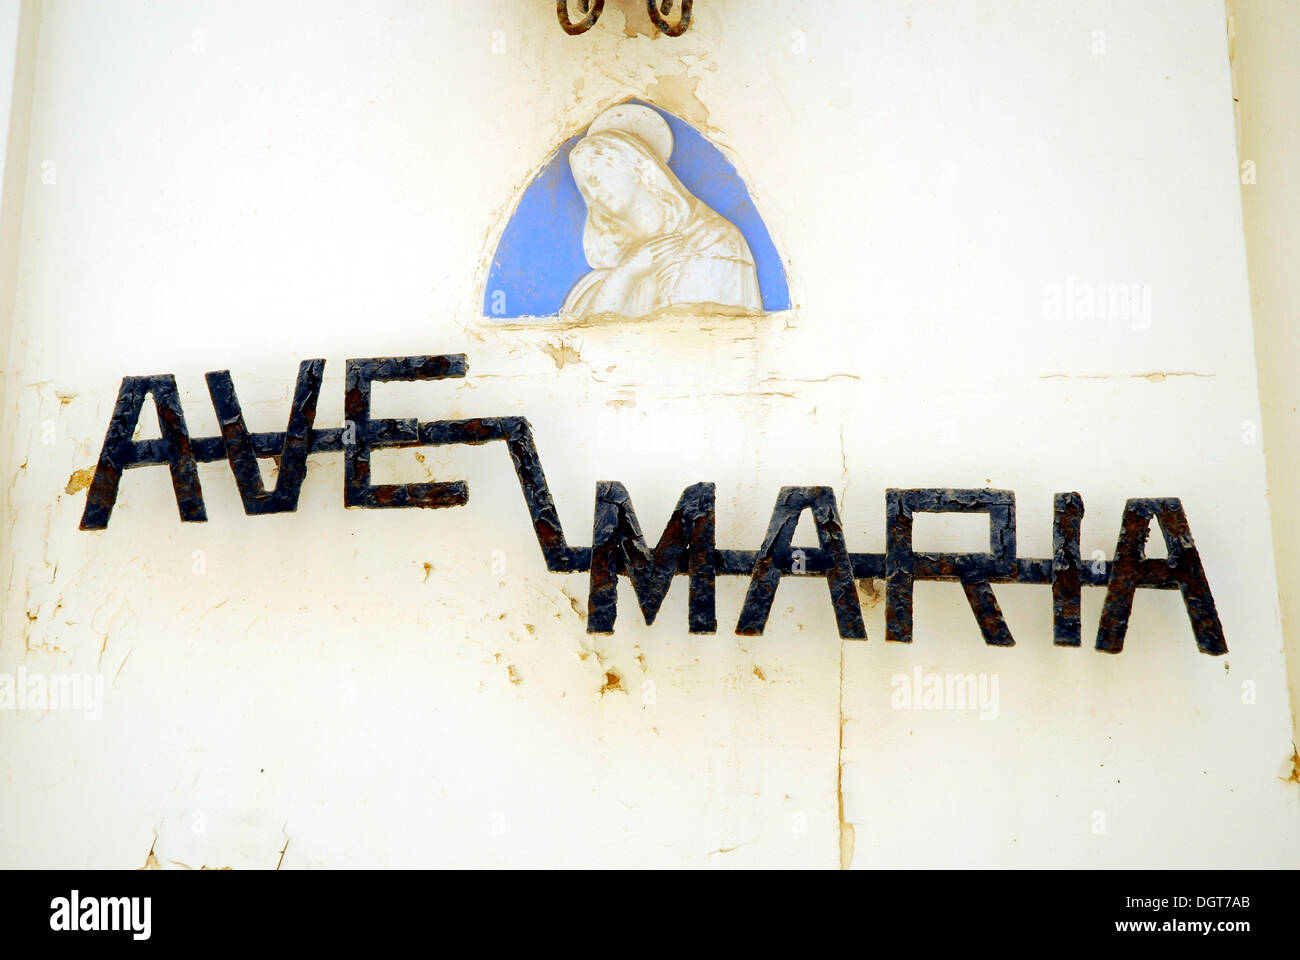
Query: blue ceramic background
[(540, 258)]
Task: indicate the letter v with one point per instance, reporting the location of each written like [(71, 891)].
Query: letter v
[(242, 448)]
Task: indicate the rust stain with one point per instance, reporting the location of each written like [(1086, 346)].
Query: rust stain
[(44, 646), (1295, 765), (612, 682), (514, 675), (754, 395), (680, 93), (1153, 376), (826, 379), (562, 353), (578, 608), (760, 674), (428, 569), (636, 22), (726, 850), (122, 664), (79, 480), (151, 862)]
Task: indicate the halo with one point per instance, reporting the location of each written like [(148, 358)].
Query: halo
[(641, 122)]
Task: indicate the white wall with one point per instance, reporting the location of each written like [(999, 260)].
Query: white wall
[(245, 185), (1266, 83), (19, 27)]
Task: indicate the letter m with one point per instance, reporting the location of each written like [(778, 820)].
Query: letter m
[(686, 547), (116, 913)]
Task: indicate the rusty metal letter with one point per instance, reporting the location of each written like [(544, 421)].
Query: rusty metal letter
[(972, 570), (618, 546), (361, 434), (120, 451), (1131, 569), (292, 457), (775, 560)]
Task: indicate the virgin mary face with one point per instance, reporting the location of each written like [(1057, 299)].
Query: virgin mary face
[(606, 175), (650, 243)]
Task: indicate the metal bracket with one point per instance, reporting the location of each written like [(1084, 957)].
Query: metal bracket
[(592, 9)]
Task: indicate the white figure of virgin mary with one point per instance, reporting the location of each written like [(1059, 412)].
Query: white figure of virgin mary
[(651, 244)]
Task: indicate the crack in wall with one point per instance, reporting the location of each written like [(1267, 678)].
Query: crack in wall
[(848, 835)]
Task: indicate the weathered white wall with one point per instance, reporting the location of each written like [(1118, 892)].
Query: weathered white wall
[(245, 185), (1265, 39), (19, 28)]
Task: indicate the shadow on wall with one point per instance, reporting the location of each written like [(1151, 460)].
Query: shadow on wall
[(540, 256)]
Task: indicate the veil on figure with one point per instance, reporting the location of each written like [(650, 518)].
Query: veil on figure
[(650, 242)]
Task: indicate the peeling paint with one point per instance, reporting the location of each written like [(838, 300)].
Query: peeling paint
[(561, 353), (871, 592), (680, 93), (79, 480)]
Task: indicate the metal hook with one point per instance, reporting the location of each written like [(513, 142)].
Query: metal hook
[(666, 28), (581, 26)]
